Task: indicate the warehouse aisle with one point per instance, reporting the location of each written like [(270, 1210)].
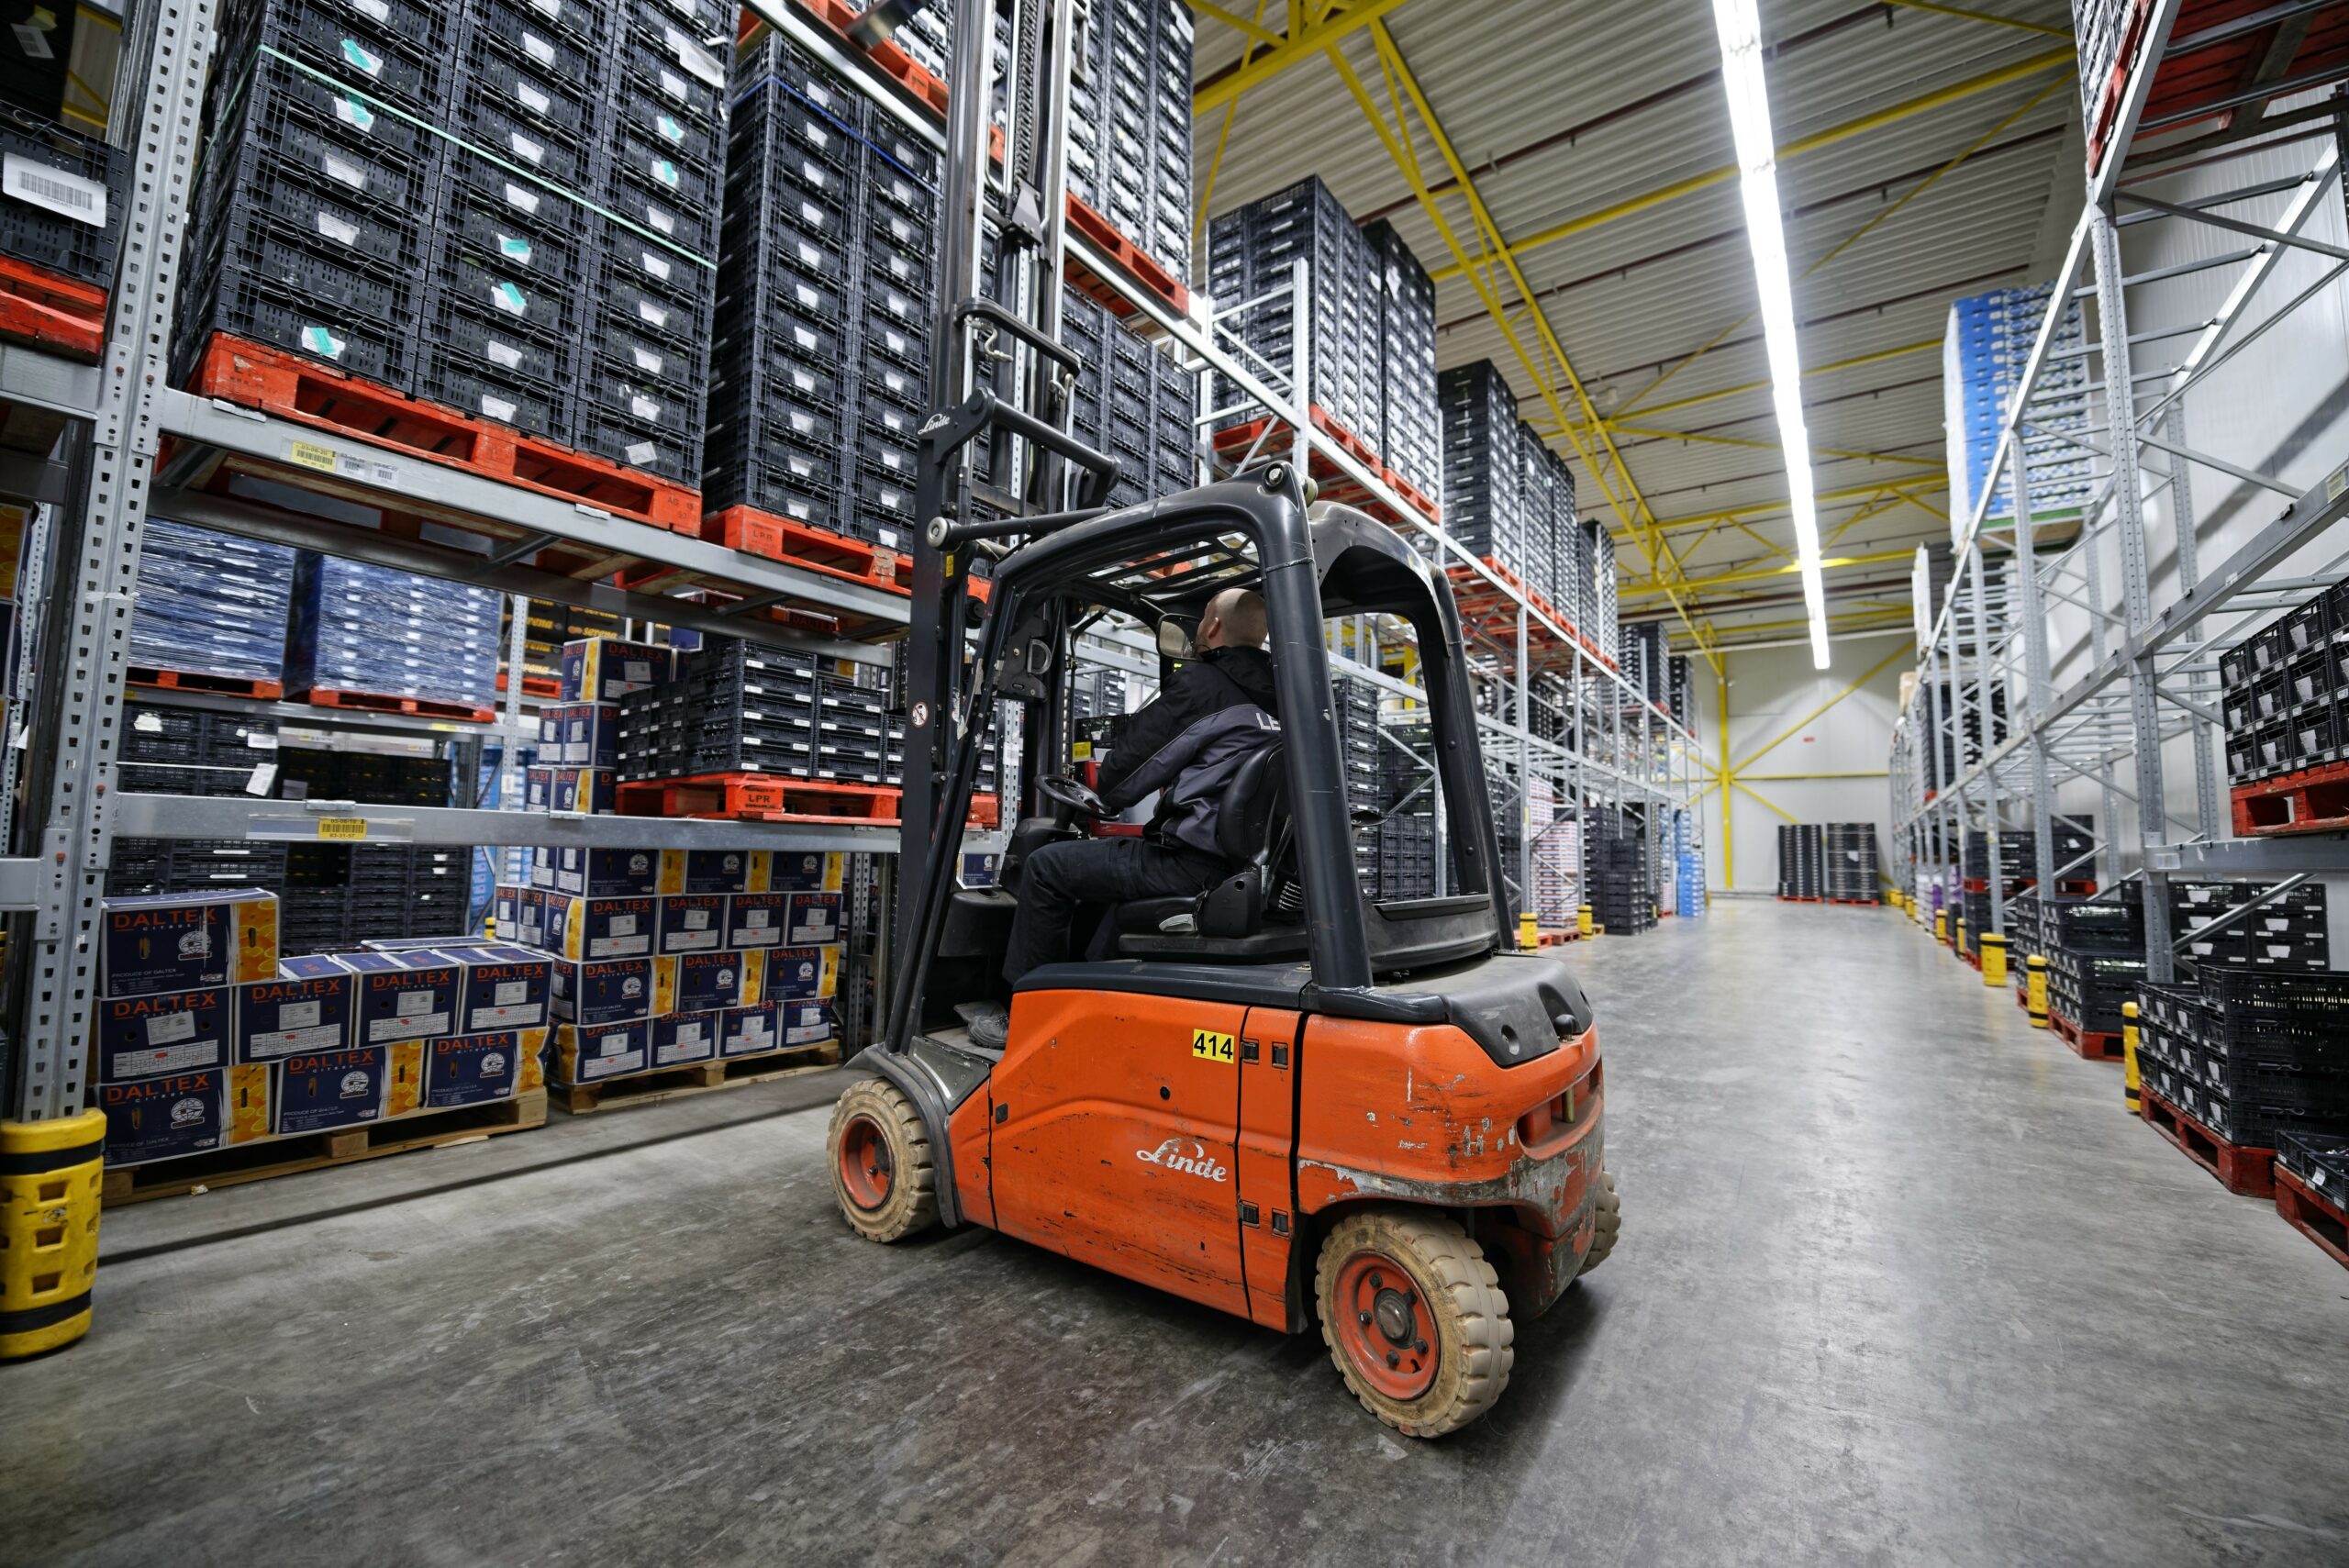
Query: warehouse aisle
[(1899, 1283)]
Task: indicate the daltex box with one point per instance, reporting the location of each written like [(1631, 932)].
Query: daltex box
[(681, 1038), (538, 788), (544, 860), (806, 1023), (694, 982), (600, 927), (406, 995), (749, 1031), (309, 1007), (588, 791), (502, 987), (599, 991), (814, 919), (321, 1091), (532, 932), (794, 871), (585, 1054), (159, 1035), (467, 1069), (756, 920), (591, 735), (604, 669), (506, 910), (691, 922), (607, 873), (156, 1118), (183, 941), (800, 975), (714, 871)]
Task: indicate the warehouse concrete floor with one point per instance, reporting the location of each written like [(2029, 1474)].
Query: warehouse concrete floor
[(1899, 1283)]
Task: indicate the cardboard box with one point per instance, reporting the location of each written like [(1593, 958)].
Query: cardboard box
[(749, 1031), (595, 991), (799, 974), (506, 911), (156, 1118), (697, 982), (793, 872), (814, 919), (691, 922), (156, 942), (538, 788), (757, 920), (467, 1069), (682, 1038), (607, 873), (604, 669), (402, 995), (588, 791), (600, 927), (502, 988), (591, 735), (714, 871), (309, 1007), (317, 1093), (544, 860), (403, 1079), (588, 1055), (162, 1035), (251, 1085), (807, 1023), (533, 932)]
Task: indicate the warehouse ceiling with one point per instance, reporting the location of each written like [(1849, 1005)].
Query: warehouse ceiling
[(1926, 153)]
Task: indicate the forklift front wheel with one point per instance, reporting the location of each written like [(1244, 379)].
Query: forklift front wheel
[(1415, 1318), (882, 1173)]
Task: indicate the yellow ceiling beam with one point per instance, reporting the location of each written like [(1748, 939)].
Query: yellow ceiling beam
[(1876, 357), (1322, 33), (1756, 574), (1255, 29), (1962, 14), (1642, 431), (1893, 113), (1908, 489)]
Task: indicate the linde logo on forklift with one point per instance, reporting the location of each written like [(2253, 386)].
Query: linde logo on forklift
[(1170, 1155)]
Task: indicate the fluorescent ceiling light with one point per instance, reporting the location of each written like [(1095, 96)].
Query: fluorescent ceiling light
[(1739, 25)]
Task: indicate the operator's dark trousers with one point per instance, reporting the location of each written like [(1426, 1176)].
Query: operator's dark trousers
[(1060, 877)]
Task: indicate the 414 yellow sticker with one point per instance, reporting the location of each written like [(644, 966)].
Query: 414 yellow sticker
[(1213, 1045)]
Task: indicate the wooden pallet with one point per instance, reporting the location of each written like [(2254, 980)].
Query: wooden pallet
[(696, 1078), (758, 533), (311, 1151), (378, 702), (2314, 800), (223, 686), (295, 388), (2088, 1043), (2246, 1172), (66, 318), (2313, 1215), (772, 798)]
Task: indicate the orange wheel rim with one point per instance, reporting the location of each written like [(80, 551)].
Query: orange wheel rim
[(1384, 1327), (866, 1169)]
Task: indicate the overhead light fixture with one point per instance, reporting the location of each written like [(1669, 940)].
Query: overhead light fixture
[(1739, 22)]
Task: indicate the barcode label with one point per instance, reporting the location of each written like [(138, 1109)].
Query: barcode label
[(55, 190)]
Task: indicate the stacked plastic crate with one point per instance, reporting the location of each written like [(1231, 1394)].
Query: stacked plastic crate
[(211, 605), (1536, 564), (1599, 606), (1251, 251), (2261, 1060), (2284, 692), (820, 376), (1133, 401), (1482, 498), (1618, 887), (1569, 568), (61, 206), (1557, 855), (1129, 126), (1688, 866), (1413, 441), (1985, 349)]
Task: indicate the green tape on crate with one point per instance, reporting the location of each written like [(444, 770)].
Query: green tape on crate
[(515, 169)]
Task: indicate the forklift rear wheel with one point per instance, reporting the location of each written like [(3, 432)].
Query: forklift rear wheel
[(1415, 1318), (882, 1173), (1606, 1223)]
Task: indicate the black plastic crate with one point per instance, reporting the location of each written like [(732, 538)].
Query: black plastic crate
[(485, 284), (404, 57), (652, 213), (63, 206), (693, 138), (486, 345), (670, 447), (540, 244), (681, 326), (764, 480), (235, 300), (448, 375), (666, 51)]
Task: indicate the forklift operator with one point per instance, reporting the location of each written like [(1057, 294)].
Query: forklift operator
[(1217, 711)]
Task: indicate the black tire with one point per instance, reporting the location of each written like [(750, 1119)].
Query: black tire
[(882, 1173), (1447, 1287), (1607, 1216)]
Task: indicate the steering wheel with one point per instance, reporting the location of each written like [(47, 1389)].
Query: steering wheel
[(1061, 789)]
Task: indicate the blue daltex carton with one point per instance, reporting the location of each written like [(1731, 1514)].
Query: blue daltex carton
[(183, 941), (696, 981), (604, 669), (806, 1023), (598, 991), (156, 1118), (794, 872), (502, 987), (607, 873), (691, 922), (748, 1031), (466, 1069), (801, 974), (679, 1038), (402, 995), (600, 927), (309, 1007), (756, 920), (323, 1090), (588, 791), (585, 1054), (814, 919), (156, 1036), (591, 735), (714, 871)]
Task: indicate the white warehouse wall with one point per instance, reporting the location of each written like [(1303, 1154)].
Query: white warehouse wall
[(1771, 692)]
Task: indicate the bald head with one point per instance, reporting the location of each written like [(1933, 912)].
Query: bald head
[(1234, 619)]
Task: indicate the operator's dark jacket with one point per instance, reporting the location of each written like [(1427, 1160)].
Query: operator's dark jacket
[(1218, 710)]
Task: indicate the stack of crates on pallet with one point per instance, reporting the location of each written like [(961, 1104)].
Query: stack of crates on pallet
[(1413, 428), (1357, 705), (1536, 564), (671, 958), (1570, 590), (1849, 861), (730, 708), (1599, 606), (509, 207), (1251, 251), (172, 750), (1133, 401), (1688, 866), (820, 375), (2288, 933), (1618, 889), (211, 605), (385, 633), (2256, 1059), (1802, 860), (1678, 698), (1484, 505), (1557, 855), (1130, 123), (1095, 693), (61, 210), (2284, 692), (1405, 838), (1984, 351), (2096, 959), (1643, 660)]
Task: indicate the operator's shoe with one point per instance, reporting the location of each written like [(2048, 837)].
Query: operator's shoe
[(990, 1023)]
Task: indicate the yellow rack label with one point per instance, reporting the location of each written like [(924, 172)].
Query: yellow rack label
[(342, 826), (310, 454)]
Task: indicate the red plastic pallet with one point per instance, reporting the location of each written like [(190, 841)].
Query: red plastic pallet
[(894, 62), (2088, 1043), (66, 318), (770, 797), (1235, 442), (380, 702), (221, 685), (755, 532), (2314, 800), (2313, 1215), (2246, 1172), (255, 377), (1131, 258)]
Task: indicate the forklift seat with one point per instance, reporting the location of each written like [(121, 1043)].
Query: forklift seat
[(1251, 823)]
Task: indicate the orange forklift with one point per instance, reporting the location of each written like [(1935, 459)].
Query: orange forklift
[(1286, 1098)]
